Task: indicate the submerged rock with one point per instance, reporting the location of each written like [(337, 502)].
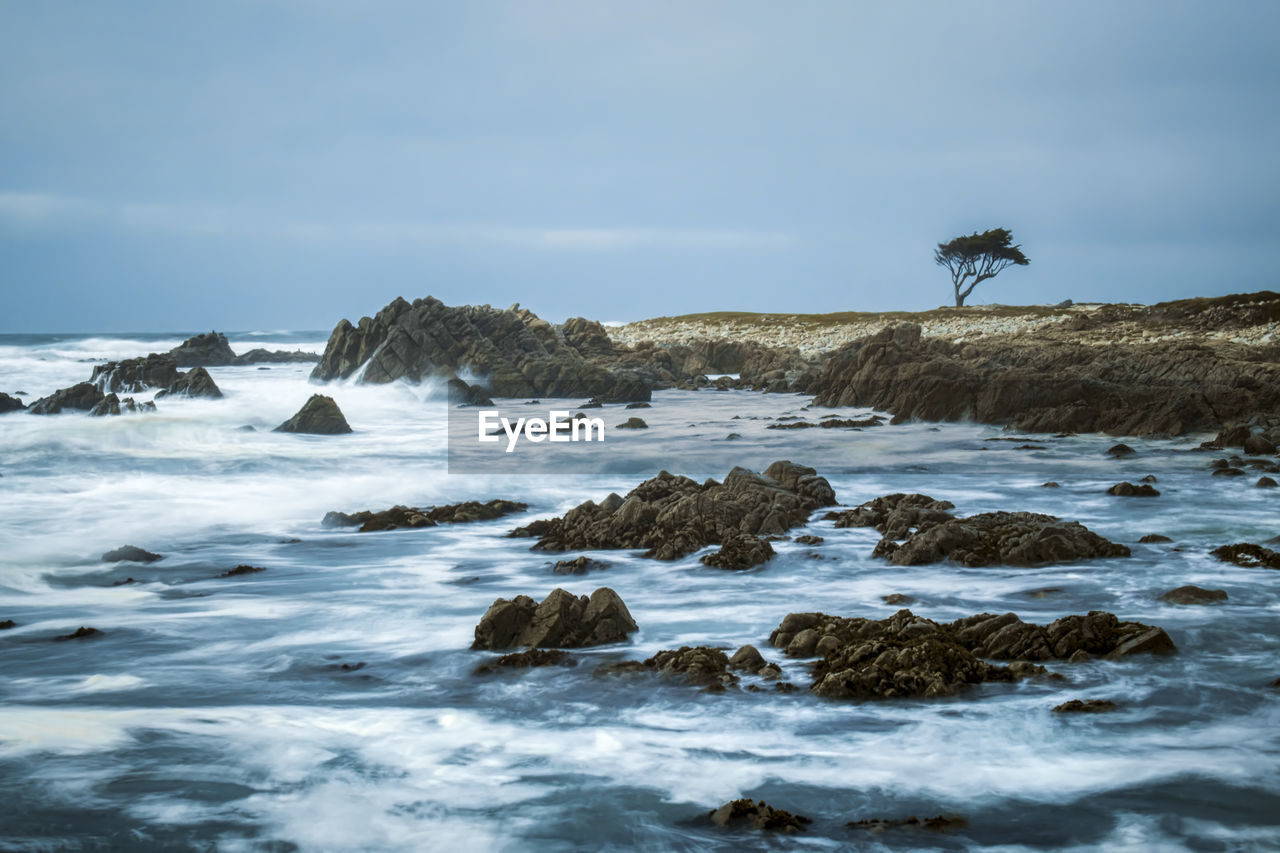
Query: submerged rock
[(526, 660), (81, 633), (6, 624), (674, 516), (633, 423), (241, 570), (320, 415), (939, 823), (405, 516), (1193, 595), (1248, 555), (748, 814), (1129, 490), (578, 566), (1085, 706), (561, 620), (130, 554), (1152, 538)]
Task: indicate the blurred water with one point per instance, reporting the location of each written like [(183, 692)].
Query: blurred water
[(215, 713)]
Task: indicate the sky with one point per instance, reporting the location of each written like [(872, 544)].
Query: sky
[(281, 164)]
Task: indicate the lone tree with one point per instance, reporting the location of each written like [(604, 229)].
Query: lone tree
[(976, 258)]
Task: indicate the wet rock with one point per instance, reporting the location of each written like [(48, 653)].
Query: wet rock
[(638, 406), (1085, 706), (320, 415), (1120, 449), (1152, 641), (108, 405), (897, 598), (1266, 483), (1193, 595), (894, 515), (405, 516), (672, 517), (748, 659), (1150, 478), (6, 624), (260, 356), (733, 436), (1152, 538), (130, 554), (204, 350), (1257, 445), (10, 404), (561, 620), (82, 396), (738, 552), (578, 566), (526, 660), (1129, 490), (633, 423), (1248, 555), (748, 814), (939, 823), (1228, 472), (81, 633), (462, 394), (809, 539), (242, 570), (1050, 485), (701, 666), (927, 667), (136, 374)]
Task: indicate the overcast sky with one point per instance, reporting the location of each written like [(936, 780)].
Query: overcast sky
[(267, 165)]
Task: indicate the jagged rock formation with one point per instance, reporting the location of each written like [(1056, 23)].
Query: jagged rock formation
[(194, 383), (1168, 387), (404, 516), (561, 620), (205, 350), (931, 534), (136, 374), (10, 404), (672, 516), (748, 814), (320, 415), (83, 396)]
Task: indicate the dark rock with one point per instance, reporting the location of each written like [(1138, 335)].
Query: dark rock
[(1257, 445), (809, 539), (136, 374), (10, 404), (733, 436), (108, 405), (1248, 555), (1228, 472), (939, 823), (1266, 483), (130, 554), (81, 633), (203, 350), (462, 394), (83, 396), (897, 598), (1152, 538), (749, 659), (1150, 478), (526, 660), (578, 566), (638, 406), (7, 624), (740, 552), (242, 570), (1193, 595), (1121, 449), (318, 416), (674, 516), (262, 356), (194, 383), (701, 666), (747, 814), (561, 620), (1150, 641), (1049, 485), (1129, 490), (633, 423), (405, 516)]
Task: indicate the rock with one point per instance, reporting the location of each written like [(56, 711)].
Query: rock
[(809, 539), (194, 383), (81, 633), (638, 406), (108, 405), (578, 566), (1150, 478), (1193, 595), (1129, 490), (747, 814), (894, 515), (6, 624), (740, 552), (1149, 641), (633, 423), (1152, 538), (462, 394), (673, 517), (1228, 472), (897, 598), (749, 659), (733, 436), (701, 666), (1257, 445), (130, 554), (261, 356), (939, 823), (526, 660), (559, 621), (1266, 483), (1050, 485), (1248, 555), (83, 396), (1038, 384), (520, 354), (1085, 706), (204, 350), (240, 570), (319, 416), (1121, 449), (404, 516), (136, 374), (10, 404)]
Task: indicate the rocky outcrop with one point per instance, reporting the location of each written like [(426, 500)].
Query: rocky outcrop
[(136, 374), (561, 620), (578, 566), (671, 517), (320, 415), (279, 356), (82, 396), (748, 814), (701, 666), (130, 554), (528, 659), (1085, 706), (205, 350), (113, 405), (519, 354), (10, 404), (1169, 387), (931, 534), (194, 383), (462, 394), (1248, 555), (909, 656), (404, 516), (1193, 595), (741, 551), (1129, 490)]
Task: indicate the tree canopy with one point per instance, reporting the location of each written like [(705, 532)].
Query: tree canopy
[(978, 257)]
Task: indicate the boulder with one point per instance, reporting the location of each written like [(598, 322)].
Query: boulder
[(527, 659), (241, 570), (578, 566), (1193, 595), (81, 633), (136, 374), (809, 539), (194, 383), (320, 415), (741, 551), (1266, 483), (633, 423), (1129, 490), (83, 396), (10, 404), (1248, 555), (108, 405), (205, 350), (1152, 538), (130, 554), (462, 394), (561, 620), (1085, 706), (748, 814)]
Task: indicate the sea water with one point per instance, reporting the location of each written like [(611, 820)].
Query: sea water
[(329, 703)]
